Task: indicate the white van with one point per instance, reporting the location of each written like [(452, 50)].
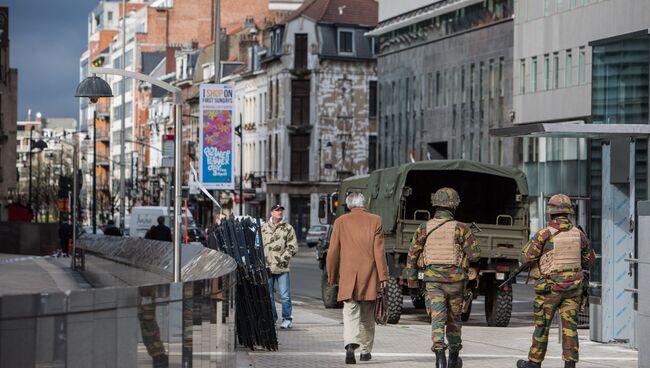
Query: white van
[(143, 218)]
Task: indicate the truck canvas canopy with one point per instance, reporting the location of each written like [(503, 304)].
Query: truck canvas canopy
[(486, 190)]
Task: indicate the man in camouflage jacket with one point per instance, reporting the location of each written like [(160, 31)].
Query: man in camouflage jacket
[(280, 244), (559, 289), (444, 282)]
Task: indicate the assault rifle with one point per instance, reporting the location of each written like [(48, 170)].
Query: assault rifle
[(526, 266)]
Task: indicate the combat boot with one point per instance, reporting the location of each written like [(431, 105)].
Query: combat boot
[(528, 364), (569, 364), (455, 361), (441, 358)]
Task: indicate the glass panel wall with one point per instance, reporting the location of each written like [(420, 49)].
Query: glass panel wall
[(619, 96)]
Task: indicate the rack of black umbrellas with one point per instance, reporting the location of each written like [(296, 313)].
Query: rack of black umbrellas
[(241, 238)]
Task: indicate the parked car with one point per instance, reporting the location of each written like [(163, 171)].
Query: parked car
[(315, 234), (196, 235)]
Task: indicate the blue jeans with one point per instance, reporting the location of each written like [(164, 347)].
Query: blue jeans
[(284, 285)]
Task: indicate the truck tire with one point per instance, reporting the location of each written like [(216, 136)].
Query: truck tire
[(498, 306), (394, 300), (329, 293), (465, 316)]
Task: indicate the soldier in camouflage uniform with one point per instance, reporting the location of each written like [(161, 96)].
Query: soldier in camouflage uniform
[(149, 327), (443, 242), (559, 254), (280, 245)]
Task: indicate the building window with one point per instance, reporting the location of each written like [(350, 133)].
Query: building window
[(276, 108), (438, 82), (558, 5), (430, 90), (346, 42), (481, 81), (463, 91), (278, 42), (455, 87), (546, 73), (445, 83), (572, 4), (493, 81), (272, 43), (300, 55), (533, 75), (128, 110), (582, 61), (472, 80), (547, 7), (110, 16), (568, 69), (502, 82), (372, 99), (129, 58), (300, 157), (556, 69), (300, 102), (372, 153)]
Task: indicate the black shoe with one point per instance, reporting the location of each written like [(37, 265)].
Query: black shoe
[(349, 353), (527, 364), (569, 364), (365, 357), (161, 361), (455, 361), (441, 358)]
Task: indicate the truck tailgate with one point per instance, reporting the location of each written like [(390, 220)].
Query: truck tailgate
[(496, 241), (501, 241)]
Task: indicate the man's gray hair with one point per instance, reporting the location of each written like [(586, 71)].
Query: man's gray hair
[(355, 200)]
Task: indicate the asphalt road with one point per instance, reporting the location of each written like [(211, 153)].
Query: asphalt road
[(305, 286)]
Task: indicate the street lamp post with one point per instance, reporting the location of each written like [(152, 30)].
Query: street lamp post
[(178, 162), (31, 131), (94, 88), (41, 145)]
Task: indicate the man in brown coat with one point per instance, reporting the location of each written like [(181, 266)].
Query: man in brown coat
[(356, 258)]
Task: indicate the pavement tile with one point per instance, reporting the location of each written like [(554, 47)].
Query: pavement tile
[(316, 341)]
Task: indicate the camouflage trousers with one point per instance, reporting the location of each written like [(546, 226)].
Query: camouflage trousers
[(150, 330), (544, 308), (444, 303)]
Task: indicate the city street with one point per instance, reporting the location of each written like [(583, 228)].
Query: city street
[(316, 339)]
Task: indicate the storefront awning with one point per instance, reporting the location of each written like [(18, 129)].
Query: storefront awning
[(574, 130)]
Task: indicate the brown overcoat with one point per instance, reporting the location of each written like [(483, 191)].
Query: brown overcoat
[(356, 255)]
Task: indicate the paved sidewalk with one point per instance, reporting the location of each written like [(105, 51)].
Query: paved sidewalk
[(316, 341), (32, 274)]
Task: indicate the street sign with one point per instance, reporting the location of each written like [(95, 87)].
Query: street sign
[(217, 109), (167, 150)]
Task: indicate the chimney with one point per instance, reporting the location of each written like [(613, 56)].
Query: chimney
[(29, 114), (170, 60)]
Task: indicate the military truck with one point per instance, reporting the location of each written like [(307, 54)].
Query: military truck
[(493, 197)]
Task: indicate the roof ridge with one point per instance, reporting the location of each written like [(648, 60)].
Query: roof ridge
[(324, 9)]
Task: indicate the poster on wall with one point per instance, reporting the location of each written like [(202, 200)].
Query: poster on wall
[(217, 109)]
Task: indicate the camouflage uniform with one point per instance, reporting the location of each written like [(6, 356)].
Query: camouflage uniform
[(444, 283), (280, 245), (148, 325), (557, 290)]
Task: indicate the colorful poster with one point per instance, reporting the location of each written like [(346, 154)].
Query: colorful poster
[(217, 109)]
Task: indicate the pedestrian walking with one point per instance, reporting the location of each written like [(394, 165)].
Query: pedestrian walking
[(559, 253), (356, 259), (159, 232), (65, 234), (110, 229), (280, 245), (444, 245)]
